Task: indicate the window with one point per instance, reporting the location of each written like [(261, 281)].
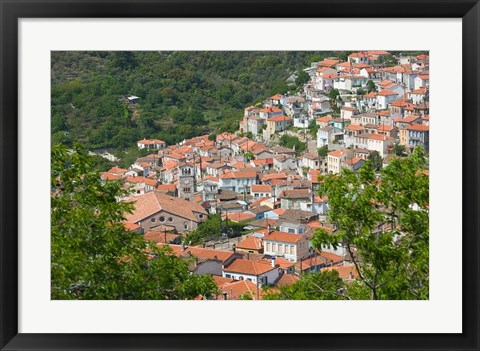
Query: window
[(162, 219), (200, 216), (185, 225), (170, 219), (228, 275), (269, 246)]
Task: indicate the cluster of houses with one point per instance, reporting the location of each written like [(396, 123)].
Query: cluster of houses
[(271, 190)]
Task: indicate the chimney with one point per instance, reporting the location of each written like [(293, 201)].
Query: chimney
[(273, 261)]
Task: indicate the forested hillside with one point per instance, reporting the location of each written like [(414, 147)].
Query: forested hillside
[(182, 94)]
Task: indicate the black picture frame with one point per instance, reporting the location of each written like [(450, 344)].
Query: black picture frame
[(12, 11)]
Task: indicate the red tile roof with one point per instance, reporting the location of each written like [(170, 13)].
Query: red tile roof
[(249, 267), (153, 202), (279, 118), (284, 237), (250, 243), (261, 188), (386, 93), (239, 175)]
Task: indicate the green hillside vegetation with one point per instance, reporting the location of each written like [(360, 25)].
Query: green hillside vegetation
[(182, 94)]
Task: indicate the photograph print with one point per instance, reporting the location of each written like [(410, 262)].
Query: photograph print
[(240, 175)]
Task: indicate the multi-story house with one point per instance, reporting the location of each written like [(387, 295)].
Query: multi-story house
[(295, 199), (419, 135), (292, 247), (154, 209), (259, 272), (240, 181)]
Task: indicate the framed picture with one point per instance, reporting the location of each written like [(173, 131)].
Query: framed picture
[(34, 32)]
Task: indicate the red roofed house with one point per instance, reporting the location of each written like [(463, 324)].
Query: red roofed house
[(374, 142), (419, 135), (292, 247), (250, 244), (258, 272), (239, 181), (260, 190), (140, 185), (153, 209), (295, 199), (418, 95), (385, 97), (278, 123), (269, 112), (151, 144), (335, 159)]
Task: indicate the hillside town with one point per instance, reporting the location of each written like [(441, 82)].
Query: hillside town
[(265, 192)]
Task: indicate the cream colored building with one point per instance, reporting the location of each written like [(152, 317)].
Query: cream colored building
[(292, 247), (335, 159)]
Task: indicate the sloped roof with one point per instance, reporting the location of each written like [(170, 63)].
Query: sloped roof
[(153, 202)]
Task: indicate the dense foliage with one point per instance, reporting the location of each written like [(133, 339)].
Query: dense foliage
[(182, 94), (93, 256), (213, 228), (325, 285), (383, 224), (291, 142)]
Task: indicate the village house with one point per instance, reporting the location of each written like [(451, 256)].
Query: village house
[(385, 97), (336, 158), (293, 199), (240, 181), (422, 81), (284, 162), (419, 95), (310, 161), (374, 142), (292, 247), (151, 144), (278, 124), (250, 244), (258, 272), (419, 135), (261, 190), (269, 112), (154, 208), (140, 185), (328, 135)]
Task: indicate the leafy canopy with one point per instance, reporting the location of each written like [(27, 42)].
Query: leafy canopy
[(383, 224), (93, 256)]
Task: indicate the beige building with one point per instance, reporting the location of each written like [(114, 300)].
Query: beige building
[(155, 209), (335, 159), (278, 123), (293, 247)]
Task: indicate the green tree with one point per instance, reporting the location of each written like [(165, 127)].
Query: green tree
[(302, 78), (291, 142), (333, 94), (93, 256), (248, 155), (371, 86), (376, 160), (383, 224), (399, 150), (322, 151), (361, 91), (325, 285), (313, 128)]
